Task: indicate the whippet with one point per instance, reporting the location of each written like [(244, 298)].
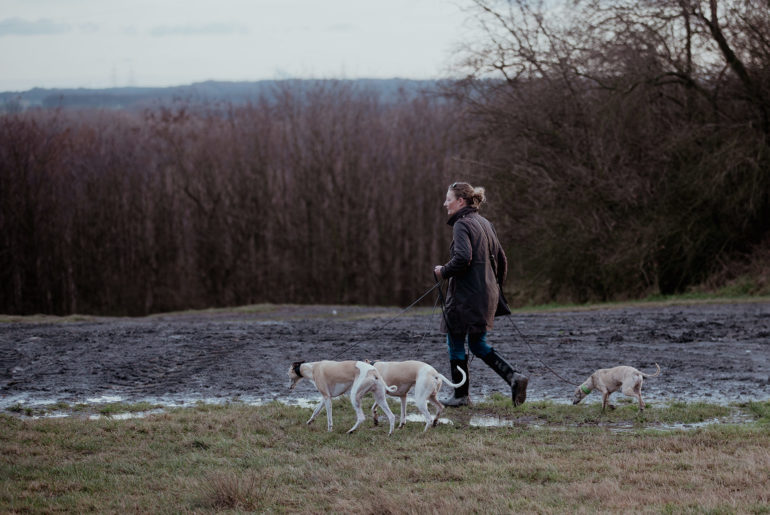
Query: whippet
[(334, 378), (608, 380), (426, 381)]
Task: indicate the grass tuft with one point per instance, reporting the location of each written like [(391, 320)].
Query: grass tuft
[(235, 490)]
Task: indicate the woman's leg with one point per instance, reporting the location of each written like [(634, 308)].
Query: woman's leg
[(458, 358), (477, 343)]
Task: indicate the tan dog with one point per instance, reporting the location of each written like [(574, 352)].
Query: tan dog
[(426, 381), (333, 378), (608, 380)]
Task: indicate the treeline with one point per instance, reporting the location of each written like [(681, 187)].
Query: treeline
[(624, 145), (325, 195)]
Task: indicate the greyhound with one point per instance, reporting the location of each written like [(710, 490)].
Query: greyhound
[(608, 380), (426, 381), (333, 378)]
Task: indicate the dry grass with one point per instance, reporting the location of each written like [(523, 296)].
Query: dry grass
[(258, 459)]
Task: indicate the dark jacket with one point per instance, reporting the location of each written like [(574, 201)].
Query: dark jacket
[(474, 288)]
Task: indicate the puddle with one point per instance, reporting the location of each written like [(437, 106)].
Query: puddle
[(417, 417), (487, 421), (126, 416), (104, 399), (22, 403), (53, 414)]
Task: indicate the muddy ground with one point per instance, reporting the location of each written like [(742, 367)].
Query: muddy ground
[(713, 352)]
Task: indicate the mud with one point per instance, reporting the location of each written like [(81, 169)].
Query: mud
[(717, 353)]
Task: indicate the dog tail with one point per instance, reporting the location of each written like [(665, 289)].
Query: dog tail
[(656, 374), (390, 389), (450, 383)]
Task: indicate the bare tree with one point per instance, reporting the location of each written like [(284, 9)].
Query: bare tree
[(625, 134)]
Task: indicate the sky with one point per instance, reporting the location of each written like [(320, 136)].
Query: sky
[(117, 43)]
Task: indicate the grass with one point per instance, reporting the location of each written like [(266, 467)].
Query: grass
[(722, 296), (349, 312), (239, 458)]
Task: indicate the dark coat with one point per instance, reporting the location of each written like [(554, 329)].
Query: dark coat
[(474, 288)]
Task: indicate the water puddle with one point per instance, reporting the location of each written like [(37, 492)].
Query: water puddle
[(417, 417), (31, 408), (487, 421), (128, 415)]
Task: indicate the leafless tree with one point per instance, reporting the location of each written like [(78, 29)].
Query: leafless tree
[(631, 138)]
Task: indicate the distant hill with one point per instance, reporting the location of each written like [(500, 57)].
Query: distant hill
[(198, 93)]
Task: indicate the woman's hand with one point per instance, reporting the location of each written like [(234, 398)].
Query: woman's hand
[(437, 272)]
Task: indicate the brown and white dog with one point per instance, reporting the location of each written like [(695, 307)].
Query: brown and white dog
[(334, 378), (608, 380), (426, 381)]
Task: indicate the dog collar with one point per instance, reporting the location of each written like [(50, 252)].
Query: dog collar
[(296, 366), (586, 390)]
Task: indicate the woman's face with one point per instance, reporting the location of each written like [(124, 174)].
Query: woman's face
[(452, 203)]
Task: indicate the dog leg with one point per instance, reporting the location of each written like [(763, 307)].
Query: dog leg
[(316, 411), (374, 414), (402, 422), (328, 401), (634, 390), (433, 398), (605, 400), (422, 389), (355, 400), (379, 398), (422, 405)]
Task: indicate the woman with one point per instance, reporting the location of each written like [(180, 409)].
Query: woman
[(476, 271)]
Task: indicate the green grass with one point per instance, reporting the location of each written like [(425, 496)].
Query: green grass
[(726, 295), (238, 458), (739, 292)]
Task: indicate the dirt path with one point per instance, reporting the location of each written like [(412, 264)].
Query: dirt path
[(713, 352)]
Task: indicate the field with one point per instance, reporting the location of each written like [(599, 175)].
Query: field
[(190, 412), (265, 459)]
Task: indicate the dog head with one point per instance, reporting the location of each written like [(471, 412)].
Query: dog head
[(295, 374), (580, 393)]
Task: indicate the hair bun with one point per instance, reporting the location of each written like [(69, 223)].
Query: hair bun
[(479, 195)]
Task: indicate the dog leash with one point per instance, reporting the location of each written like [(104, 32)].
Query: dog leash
[(526, 341), (517, 330), (410, 306)]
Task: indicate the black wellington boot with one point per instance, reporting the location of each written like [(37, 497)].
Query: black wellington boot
[(461, 397), (517, 381)]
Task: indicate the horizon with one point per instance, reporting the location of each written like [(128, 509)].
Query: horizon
[(106, 44), (223, 82)]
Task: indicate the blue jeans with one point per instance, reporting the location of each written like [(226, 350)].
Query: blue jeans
[(477, 343)]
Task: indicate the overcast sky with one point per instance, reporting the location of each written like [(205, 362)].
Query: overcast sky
[(107, 43)]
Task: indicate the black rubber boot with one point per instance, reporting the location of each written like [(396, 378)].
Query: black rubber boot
[(461, 397), (517, 381)]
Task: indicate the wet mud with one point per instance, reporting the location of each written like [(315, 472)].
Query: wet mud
[(707, 352)]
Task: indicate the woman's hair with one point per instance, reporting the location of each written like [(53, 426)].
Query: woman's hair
[(474, 197)]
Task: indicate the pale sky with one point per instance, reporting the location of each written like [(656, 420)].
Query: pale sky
[(109, 43)]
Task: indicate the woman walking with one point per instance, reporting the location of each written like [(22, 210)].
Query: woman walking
[(476, 272)]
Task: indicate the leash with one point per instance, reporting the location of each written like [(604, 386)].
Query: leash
[(410, 306), (517, 330), (525, 340)]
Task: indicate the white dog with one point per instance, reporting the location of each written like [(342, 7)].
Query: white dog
[(607, 380), (333, 378), (426, 381)]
